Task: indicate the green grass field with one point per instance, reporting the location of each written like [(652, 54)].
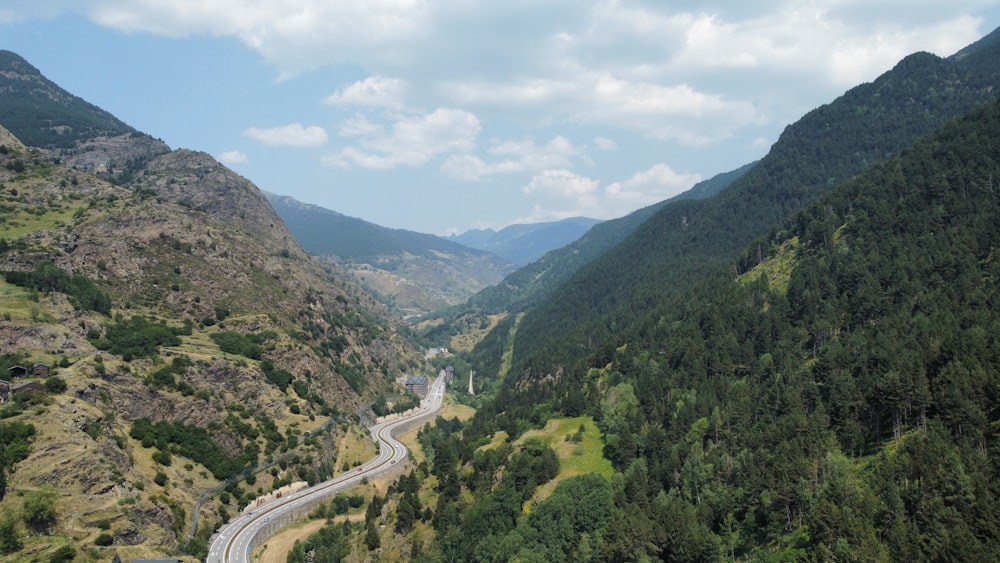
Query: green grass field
[(575, 458), (14, 302), (20, 224)]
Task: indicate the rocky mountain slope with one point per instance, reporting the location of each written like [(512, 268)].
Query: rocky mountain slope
[(189, 341)]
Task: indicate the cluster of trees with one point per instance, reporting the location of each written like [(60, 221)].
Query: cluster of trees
[(331, 544), (340, 504), (403, 403), (81, 291), (195, 443), (166, 376), (38, 513), (502, 480), (138, 337), (248, 345), (15, 445), (278, 377)]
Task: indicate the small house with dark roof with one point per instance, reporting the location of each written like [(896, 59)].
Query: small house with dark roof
[(41, 370), (27, 388), (4, 391), (416, 384), (17, 371)]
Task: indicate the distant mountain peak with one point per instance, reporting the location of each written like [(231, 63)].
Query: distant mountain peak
[(412, 272), (524, 243)]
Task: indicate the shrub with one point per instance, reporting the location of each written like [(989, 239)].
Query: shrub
[(63, 554), (39, 509), (55, 384), (10, 536), (162, 457), (104, 540)]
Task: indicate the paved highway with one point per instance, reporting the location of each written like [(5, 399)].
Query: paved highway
[(235, 540)]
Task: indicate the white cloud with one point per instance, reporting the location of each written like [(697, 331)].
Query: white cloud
[(662, 110), (862, 58), (359, 126), (561, 183), (516, 156), (831, 41), (374, 91), (412, 141), (658, 183), (605, 144), (233, 157), (676, 112), (469, 167), (559, 194), (295, 35), (293, 135), (522, 93), (662, 69)]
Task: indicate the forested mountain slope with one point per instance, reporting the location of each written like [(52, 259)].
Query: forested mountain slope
[(837, 399), (685, 240), (41, 114), (529, 285)]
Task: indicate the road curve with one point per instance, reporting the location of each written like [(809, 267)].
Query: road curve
[(235, 540)]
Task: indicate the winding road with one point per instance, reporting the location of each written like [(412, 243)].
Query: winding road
[(234, 542)]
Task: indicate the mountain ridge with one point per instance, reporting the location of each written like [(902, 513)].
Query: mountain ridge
[(524, 243), (690, 238), (414, 273), (831, 398)]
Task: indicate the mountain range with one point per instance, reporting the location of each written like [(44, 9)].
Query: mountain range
[(522, 244), (794, 361), (413, 273)]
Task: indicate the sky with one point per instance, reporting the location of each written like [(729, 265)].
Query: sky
[(441, 116)]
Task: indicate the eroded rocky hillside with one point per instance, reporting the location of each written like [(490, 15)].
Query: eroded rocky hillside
[(189, 340)]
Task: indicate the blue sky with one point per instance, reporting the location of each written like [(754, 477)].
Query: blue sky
[(444, 115)]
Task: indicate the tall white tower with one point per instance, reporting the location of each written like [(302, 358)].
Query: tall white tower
[(471, 373)]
